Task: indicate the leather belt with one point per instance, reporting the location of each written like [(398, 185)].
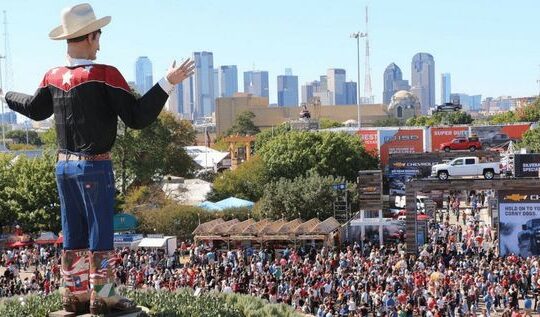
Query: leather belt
[(83, 157)]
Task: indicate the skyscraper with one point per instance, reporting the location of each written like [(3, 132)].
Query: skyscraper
[(336, 84), (143, 74), (393, 82), (203, 84), (228, 80), (256, 83), (217, 86), (423, 80), (351, 94), (287, 90), (446, 89)]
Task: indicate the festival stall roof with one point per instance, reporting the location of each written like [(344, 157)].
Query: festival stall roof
[(289, 227), (233, 202), (273, 227), (46, 238), (326, 227), (266, 230), (223, 228), (256, 227), (238, 228), (205, 228), (306, 227), (124, 222), (210, 206)]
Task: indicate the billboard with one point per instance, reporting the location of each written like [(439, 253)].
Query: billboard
[(519, 222), (495, 135), (370, 139), (441, 135), (400, 141), (402, 168), (526, 165)]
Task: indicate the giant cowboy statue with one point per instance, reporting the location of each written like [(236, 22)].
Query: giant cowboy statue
[(86, 100)]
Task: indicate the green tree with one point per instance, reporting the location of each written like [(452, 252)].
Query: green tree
[(246, 182), (48, 139), (7, 214), (531, 140), (325, 123), (243, 125), (505, 117), (388, 122), (180, 220), (530, 112), (306, 197), (142, 156), (20, 136), (30, 194), (268, 134), (295, 153), (441, 118)]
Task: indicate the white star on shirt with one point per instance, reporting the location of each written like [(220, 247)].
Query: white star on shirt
[(66, 78), (87, 69)]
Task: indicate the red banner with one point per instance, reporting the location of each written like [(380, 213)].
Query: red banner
[(445, 134), (516, 131), (370, 140)]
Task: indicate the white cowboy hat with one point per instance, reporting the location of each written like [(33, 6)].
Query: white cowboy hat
[(77, 21)]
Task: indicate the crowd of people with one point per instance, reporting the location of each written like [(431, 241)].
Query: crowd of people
[(457, 273)]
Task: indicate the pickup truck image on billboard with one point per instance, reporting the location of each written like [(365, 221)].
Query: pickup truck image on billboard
[(499, 135), (461, 144)]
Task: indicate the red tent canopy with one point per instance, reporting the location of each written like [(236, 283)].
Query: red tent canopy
[(422, 217), (46, 241), (19, 244)]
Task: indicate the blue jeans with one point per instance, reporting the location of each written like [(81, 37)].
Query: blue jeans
[(86, 190)]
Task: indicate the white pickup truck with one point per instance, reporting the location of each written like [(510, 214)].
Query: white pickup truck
[(465, 166)]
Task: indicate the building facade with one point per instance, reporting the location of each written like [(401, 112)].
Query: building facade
[(446, 88), (228, 80), (469, 102), (351, 93), (203, 84), (423, 80), (143, 74), (287, 90), (256, 83), (393, 82), (336, 85)]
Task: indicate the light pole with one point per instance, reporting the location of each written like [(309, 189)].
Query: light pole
[(357, 36)]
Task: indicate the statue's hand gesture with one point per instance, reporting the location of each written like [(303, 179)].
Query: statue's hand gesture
[(176, 75)]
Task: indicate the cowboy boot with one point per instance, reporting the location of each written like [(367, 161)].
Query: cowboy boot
[(103, 297), (75, 285)]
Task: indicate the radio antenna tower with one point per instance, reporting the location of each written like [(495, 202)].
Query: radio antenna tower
[(367, 81), (8, 70)]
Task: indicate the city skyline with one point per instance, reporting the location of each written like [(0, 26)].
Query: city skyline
[(394, 37)]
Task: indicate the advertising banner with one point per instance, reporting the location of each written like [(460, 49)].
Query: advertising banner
[(519, 224), (526, 165), (400, 141), (441, 135), (402, 168), (497, 135), (370, 139)]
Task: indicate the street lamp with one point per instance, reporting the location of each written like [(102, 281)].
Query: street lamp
[(357, 36)]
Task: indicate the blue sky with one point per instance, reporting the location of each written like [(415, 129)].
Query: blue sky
[(491, 47)]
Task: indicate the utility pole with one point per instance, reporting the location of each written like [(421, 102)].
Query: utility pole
[(357, 36), (4, 148)]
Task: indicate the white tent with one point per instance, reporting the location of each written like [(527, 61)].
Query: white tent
[(168, 243)]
